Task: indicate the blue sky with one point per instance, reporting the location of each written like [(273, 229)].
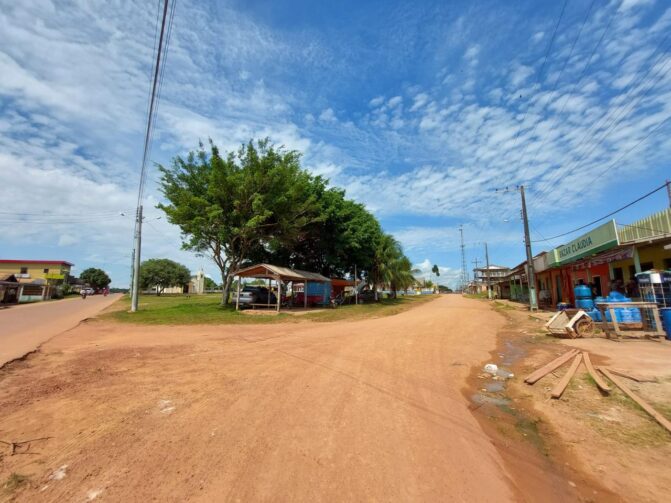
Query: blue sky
[(419, 110)]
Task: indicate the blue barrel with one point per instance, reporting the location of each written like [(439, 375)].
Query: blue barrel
[(665, 313), (582, 292), (595, 314), (586, 304)]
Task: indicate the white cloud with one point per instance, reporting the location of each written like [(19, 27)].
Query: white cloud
[(327, 115), (376, 102), (395, 101)]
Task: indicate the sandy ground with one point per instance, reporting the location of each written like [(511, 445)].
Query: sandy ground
[(24, 327), (608, 438), (368, 410)]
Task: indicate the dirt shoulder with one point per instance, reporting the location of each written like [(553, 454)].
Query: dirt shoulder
[(367, 410), (604, 445)]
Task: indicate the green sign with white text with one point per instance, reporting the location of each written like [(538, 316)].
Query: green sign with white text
[(597, 240)]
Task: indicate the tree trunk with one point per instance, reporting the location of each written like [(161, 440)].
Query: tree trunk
[(226, 290)]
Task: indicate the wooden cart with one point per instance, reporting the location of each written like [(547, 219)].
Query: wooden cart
[(571, 323)]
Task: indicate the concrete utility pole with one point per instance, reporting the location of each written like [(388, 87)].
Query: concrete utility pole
[(489, 285), (533, 302), (136, 261), (668, 191)]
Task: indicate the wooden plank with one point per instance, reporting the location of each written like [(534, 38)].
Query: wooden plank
[(549, 367), (558, 390), (633, 377), (642, 403), (597, 378)]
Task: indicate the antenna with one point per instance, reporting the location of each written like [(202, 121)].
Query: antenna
[(464, 271)]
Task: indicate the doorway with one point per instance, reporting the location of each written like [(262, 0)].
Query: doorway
[(596, 289)]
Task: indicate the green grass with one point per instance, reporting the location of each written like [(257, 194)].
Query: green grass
[(206, 309), (480, 295)]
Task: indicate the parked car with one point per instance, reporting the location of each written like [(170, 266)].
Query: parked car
[(88, 291), (256, 295)]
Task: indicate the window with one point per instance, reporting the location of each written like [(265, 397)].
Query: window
[(646, 266), (617, 273), (632, 271), (667, 263), (46, 270), (24, 270)]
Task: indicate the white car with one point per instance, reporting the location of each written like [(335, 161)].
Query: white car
[(88, 291)]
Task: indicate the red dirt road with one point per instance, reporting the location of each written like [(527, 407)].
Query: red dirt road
[(24, 327), (368, 410)]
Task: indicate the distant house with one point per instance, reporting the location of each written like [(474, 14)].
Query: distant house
[(195, 286), (37, 279)]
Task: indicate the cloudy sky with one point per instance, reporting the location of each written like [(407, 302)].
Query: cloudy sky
[(420, 110)]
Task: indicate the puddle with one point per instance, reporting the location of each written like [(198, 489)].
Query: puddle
[(494, 386), (480, 399), (511, 353)]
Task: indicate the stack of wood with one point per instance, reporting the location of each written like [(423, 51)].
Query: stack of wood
[(583, 356)]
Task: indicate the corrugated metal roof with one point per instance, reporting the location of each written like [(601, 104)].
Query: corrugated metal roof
[(271, 271)]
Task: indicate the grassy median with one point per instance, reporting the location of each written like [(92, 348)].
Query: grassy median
[(206, 309)]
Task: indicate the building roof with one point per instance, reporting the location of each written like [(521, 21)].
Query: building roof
[(284, 273), (55, 262), (492, 267)]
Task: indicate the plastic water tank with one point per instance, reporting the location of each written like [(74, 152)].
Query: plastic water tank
[(585, 304), (665, 314), (582, 292)]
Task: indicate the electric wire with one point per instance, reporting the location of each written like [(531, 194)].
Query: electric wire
[(557, 79), (540, 73), (575, 84), (606, 216), (617, 118)]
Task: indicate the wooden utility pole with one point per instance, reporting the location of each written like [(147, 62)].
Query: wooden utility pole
[(668, 191)]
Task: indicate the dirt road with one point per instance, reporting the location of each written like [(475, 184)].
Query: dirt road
[(24, 327), (361, 411)]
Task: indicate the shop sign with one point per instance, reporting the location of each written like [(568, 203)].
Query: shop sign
[(54, 275), (597, 240)]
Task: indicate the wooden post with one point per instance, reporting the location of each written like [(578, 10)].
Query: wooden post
[(558, 390), (279, 293), (237, 297), (305, 294), (269, 292)]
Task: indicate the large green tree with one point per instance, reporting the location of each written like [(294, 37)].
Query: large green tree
[(162, 273), (96, 278), (237, 206)]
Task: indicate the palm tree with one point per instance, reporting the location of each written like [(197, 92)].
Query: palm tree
[(436, 271), (391, 267)]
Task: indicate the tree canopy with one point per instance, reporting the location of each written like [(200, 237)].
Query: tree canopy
[(96, 278), (162, 273), (259, 205)]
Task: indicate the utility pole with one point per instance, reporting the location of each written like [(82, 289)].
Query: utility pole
[(153, 105), (668, 191), (136, 261), (533, 303), (489, 285), (464, 274)]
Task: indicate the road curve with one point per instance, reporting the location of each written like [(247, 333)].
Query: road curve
[(23, 328)]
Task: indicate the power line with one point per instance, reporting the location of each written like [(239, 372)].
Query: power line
[(540, 73), (617, 117), (663, 186), (153, 107), (556, 82), (575, 84)]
